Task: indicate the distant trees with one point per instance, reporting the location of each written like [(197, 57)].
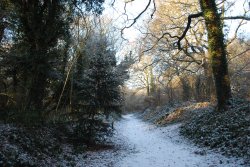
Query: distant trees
[(239, 67), (191, 34), (177, 70)]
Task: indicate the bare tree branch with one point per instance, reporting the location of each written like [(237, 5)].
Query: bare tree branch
[(139, 15), (236, 18), (241, 53), (190, 17), (236, 31)]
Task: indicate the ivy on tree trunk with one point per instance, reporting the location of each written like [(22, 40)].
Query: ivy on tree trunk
[(217, 52)]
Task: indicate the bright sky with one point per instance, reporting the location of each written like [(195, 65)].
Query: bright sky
[(238, 9)]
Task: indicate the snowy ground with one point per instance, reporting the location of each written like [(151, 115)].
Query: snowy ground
[(162, 147), (140, 144)]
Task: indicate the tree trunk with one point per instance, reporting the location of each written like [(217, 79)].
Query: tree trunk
[(37, 91), (185, 89), (147, 85), (198, 89), (217, 52), (152, 83), (2, 27), (209, 84)]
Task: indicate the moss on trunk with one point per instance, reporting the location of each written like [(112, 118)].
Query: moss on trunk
[(217, 52)]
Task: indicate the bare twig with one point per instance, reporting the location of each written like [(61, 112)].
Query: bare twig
[(134, 20)]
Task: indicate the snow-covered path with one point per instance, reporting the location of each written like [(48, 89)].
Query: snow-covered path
[(163, 147)]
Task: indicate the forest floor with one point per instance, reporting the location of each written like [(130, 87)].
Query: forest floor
[(136, 142)]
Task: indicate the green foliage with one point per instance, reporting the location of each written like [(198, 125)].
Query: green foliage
[(40, 27), (92, 130), (92, 5), (35, 65), (28, 117), (38, 39)]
